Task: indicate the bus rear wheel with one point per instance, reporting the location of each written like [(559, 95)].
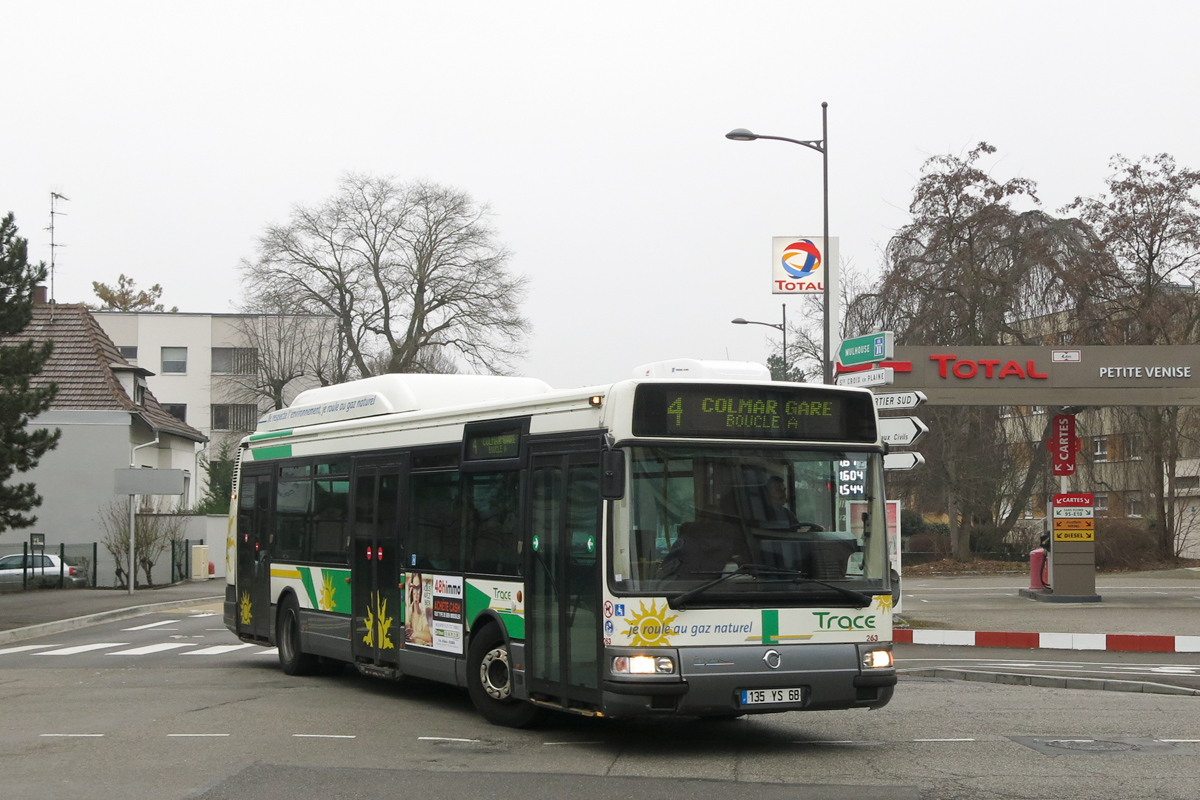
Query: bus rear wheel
[(490, 682), (292, 658)]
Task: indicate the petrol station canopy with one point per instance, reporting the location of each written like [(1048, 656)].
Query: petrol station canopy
[(1167, 375)]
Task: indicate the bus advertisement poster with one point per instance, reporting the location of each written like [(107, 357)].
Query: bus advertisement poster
[(434, 612)]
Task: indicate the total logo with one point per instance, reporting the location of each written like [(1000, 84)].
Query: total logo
[(802, 258)]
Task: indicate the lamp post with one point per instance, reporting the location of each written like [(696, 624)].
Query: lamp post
[(821, 146), (782, 330)]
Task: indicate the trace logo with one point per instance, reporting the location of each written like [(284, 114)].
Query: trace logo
[(802, 258)]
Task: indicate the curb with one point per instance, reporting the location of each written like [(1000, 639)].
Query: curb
[(1128, 643), (70, 624), (1048, 681)]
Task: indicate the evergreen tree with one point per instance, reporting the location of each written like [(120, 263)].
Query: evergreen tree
[(20, 446)]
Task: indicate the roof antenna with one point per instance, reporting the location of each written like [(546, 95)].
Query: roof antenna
[(54, 197)]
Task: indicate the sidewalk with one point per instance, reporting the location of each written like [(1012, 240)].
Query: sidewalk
[(24, 615), (1139, 612)]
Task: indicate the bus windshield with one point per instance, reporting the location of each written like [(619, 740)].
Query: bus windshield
[(789, 522)]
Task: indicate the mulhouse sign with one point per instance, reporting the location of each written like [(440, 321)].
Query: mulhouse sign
[(1084, 376)]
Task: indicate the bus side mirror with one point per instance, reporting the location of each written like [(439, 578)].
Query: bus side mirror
[(612, 474)]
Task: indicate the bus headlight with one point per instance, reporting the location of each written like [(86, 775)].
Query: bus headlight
[(877, 659), (643, 665)]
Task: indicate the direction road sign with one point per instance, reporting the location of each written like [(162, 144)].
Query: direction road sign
[(870, 377), (1074, 536), (867, 349), (899, 401), (903, 460), (1074, 524), (1085, 512), (900, 431)]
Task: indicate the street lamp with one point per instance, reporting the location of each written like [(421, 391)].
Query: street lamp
[(821, 146), (782, 330)]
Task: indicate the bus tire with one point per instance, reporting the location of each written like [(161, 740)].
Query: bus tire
[(489, 681), (292, 657)]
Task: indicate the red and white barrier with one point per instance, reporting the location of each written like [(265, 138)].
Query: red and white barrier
[(1132, 643)]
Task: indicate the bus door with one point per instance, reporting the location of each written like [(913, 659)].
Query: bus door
[(375, 592), (563, 602), (253, 556)]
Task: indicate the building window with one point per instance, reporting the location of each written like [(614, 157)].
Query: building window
[(1133, 504), (1006, 412), (1100, 502), (1037, 410), (1133, 447), (176, 410), (1100, 448), (174, 360), (129, 353), (1187, 483), (234, 360), (235, 417)]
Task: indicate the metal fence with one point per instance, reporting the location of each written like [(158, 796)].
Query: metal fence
[(61, 566)]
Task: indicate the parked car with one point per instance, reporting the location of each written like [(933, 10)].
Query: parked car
[(42, 571)]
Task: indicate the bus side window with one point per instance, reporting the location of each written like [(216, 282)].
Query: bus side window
[(490, 522), (436, 522)]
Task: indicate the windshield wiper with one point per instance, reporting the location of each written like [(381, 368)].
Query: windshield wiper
[(679, 602)]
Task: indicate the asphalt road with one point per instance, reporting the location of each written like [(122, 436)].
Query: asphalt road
[(170, 707)]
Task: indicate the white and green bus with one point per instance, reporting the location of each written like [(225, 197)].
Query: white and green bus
[(711, 546)]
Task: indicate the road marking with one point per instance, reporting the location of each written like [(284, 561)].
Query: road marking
[(945, 740), (152, 648), (151, 625), (196, 735), (205, 614), (83, 648), (216, 650), (26, 647), (1180, 741), (552, 744), (270, 651), (443, 739), (322, 736), (73, 735)]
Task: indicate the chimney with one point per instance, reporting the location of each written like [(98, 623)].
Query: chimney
[(39, 295)]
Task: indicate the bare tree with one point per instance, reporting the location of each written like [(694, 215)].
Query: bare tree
[(1148, 224), (291, 352), (155, 529), (971, 269), (405, 270)]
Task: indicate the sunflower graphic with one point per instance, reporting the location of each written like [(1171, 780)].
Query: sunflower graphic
[(325, 602), (244, 605), (650, 628), (883, 602)]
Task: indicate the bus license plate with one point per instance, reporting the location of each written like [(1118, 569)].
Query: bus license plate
[(757, 697)]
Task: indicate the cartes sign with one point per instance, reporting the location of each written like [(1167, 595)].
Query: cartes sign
[(1075, 499), (1063, 444)]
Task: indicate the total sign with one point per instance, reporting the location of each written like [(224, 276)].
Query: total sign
[(800, 264)]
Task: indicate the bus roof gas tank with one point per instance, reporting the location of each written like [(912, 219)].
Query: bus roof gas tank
[(694, 369), (394, 393)]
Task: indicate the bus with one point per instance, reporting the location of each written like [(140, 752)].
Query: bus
[(697, 540)]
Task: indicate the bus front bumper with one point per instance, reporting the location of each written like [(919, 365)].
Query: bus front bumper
[(756, 679)]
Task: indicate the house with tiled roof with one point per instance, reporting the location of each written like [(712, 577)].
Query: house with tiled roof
[(104, 410)]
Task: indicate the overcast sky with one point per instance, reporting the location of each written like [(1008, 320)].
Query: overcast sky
[(594, 131)]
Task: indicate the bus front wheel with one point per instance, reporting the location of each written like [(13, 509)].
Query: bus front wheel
[(287, 636), (489, 681)]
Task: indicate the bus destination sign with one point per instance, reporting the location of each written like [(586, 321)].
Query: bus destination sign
[(752, 412), (493, 444)]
